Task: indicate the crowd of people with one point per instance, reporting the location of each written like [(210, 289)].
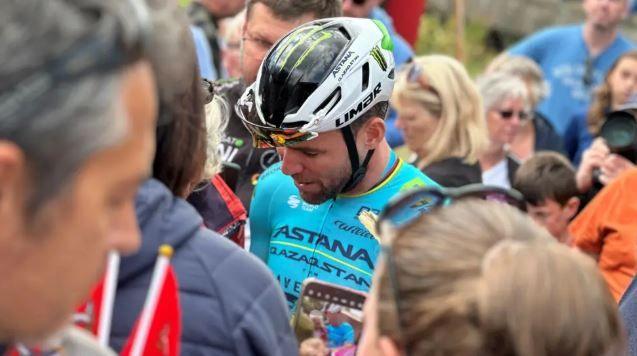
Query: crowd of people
[(264, 141)]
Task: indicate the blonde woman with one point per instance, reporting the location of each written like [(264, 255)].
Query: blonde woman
[(495, 284), (440, 113)]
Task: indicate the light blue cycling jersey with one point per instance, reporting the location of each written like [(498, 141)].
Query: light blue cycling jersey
[(299, 240)]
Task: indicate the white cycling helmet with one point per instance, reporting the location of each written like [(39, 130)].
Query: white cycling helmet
[(320, 77)]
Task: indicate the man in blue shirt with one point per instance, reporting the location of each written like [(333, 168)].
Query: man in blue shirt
[(321, 97), (575, 58), (339, 331)]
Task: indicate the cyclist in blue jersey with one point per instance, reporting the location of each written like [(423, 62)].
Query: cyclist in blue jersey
[(320, 97)]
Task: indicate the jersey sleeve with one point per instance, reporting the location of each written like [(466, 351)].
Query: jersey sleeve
[(260, 224)]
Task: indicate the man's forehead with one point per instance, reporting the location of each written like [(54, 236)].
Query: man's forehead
[(320, 142), (260, 12)]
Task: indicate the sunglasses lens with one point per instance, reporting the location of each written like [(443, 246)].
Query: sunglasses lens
[(410, 206), (359, 2), (506, 114)]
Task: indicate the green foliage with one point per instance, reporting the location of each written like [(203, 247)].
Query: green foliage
[(438, 35)]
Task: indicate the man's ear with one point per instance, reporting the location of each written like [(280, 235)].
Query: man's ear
[(374, 132), (571, 207), (388, 347)]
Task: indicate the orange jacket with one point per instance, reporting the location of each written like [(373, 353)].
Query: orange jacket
[(607, 228)]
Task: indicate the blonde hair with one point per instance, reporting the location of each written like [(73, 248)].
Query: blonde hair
[(451, 96), (480, 278), (217, 113)]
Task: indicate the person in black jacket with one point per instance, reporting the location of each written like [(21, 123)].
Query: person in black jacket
[(230, 302), (440, 114)]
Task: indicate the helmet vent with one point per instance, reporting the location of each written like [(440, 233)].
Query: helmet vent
[(345, 33), (331, 100), (365, 72), (391, 74)]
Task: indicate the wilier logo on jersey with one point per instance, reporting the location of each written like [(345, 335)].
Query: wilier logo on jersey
[(360, 107)]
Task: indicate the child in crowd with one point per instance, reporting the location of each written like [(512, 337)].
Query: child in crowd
[(547, 181)]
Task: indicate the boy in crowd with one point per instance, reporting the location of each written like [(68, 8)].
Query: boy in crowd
[(547, 181)]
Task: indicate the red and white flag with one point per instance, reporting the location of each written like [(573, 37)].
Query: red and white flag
[(158, 328), (96, 313)]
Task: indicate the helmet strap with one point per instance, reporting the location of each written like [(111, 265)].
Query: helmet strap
[(358, 170)]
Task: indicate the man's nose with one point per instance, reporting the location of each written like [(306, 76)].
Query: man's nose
[(291, 164), (125, 236)]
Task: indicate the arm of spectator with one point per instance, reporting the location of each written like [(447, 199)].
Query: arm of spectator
[(393, 135), (532, 46), (577, 138), (592, 159)]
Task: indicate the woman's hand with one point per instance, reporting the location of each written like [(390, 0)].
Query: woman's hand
[(593, 158), (612, 167)]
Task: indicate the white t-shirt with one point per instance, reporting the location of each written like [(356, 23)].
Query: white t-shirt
[(497, 175)]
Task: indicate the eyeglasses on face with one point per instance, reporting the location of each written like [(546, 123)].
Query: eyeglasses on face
[(359, 2), (508, 114)]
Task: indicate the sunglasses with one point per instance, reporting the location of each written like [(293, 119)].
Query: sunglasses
[(359, 2), (414, 75), (265, 136), (588, 78), (508, 114), (406, 208)]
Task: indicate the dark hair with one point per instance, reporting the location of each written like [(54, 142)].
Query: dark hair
[(292, 9), (181, 135), (546, 175), (378, 110)]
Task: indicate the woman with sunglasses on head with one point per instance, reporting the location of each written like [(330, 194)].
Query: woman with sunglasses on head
[(497, 284), (505, 100), (440, 114)]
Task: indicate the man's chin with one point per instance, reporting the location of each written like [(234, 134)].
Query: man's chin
[(313, 198)]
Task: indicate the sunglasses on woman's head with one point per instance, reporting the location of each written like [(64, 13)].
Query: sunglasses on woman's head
[(407, 207)]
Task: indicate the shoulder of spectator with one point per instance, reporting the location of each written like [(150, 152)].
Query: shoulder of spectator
[(546, 35)]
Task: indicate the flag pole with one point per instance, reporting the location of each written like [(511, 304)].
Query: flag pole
[(161, 268), (106, 309)]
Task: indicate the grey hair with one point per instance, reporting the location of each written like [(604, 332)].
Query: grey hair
[(497, 87), (217, 114), (72, 121), (526, 69)]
